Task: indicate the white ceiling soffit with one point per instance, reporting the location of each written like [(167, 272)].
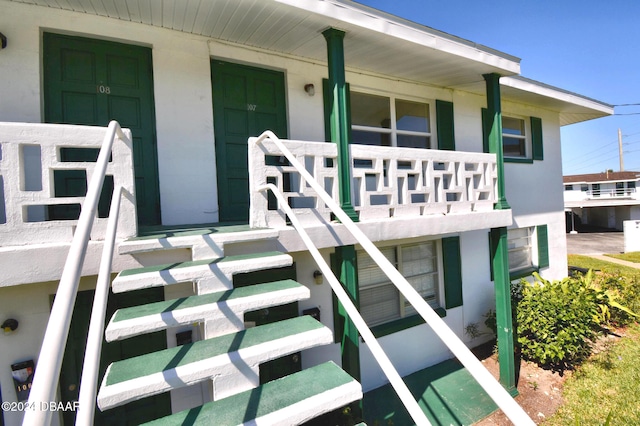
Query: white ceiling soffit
[(573, 108), (375, 42)]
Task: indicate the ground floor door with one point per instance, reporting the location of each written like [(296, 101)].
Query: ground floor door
[(246, 102), (133, 413), (92, 82)]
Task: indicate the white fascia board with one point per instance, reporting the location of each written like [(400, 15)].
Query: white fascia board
[(564, 96), (365, 17)]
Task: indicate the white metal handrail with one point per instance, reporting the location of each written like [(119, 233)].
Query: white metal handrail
[(493, 388), (47, 373), (376, 350), (91, 363)]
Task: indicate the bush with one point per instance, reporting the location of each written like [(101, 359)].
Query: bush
[(623, 290), (557, 321)]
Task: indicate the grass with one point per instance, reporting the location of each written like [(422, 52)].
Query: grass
[(591, 263), (633, 256), (607, 384)]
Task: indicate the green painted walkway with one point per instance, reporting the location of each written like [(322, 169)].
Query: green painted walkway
[(446, 392)]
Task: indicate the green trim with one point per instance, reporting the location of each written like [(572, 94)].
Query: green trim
[(486, 129), (338, 104), (445, 125), (543, 246), (494, 134), (521, 273), (171, 358), (518, 160), (276, 395), (452, 263), (536, 139), (504, 317), (402, 324)]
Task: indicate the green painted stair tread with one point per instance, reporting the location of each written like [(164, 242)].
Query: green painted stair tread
[(178, 265), (273, 398), (201, 300), (172, 358), (223, 311)]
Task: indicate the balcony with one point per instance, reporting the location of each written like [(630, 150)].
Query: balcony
[(391, 185), (44, 170)]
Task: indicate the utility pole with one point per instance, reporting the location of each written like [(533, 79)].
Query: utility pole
[(620, 149)]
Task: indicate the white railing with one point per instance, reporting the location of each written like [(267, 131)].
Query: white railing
[(386, 182), (43, 390), (493, 388), (611, 193), (31, 157)]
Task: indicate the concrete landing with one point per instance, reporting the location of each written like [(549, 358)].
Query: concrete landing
[(446, 392)]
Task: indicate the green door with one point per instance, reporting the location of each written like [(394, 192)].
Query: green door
[(133, 413), (246, 102), (92, 82)]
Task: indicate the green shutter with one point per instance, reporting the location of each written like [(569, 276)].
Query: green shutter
[(486, 129), (536, 138), (491, 250), (444, 119), (543, 246), (452, 272)]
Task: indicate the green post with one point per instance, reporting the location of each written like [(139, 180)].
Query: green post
[(504, 317), (499, 245), (495, 134), (340, 131), (345, 255)]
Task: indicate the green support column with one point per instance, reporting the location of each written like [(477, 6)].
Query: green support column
[(495, 134), (499, 245), (504, 316), (340, 131), (345, 255)]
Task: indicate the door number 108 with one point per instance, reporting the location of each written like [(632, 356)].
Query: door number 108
[(105, 90)]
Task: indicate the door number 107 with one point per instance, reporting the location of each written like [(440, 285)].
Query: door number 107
[(251, 107), (105, 90)]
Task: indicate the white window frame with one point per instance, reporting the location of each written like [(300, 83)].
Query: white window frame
[(518, 243), (393, 130), (526, 138), (404, 310)]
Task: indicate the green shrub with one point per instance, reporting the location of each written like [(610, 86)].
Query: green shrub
[(624, 290), (557, 321)]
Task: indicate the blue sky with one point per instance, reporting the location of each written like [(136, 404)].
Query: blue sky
[(590, 47)]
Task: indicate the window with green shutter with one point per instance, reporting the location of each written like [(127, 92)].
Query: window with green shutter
[(521, 139)]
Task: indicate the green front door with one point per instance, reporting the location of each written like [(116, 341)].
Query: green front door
[(246, 102), (92, 82), (133, 413)]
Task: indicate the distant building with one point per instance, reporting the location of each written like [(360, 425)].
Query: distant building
[(602, 199)]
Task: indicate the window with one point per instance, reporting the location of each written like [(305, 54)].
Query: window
[(380, 301), (514, 139), (568, 187), (584, 188), (384, 121), (520, 249), (528, 250), (522, 139)]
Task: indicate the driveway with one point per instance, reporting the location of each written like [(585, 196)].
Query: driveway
[(595, 243)]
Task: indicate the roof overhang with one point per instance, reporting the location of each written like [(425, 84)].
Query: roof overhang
[(375, 42), (573, 108)]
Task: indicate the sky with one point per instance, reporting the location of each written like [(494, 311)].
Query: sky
[(590, 47)]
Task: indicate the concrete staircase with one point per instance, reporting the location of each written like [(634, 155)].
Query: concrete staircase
[(229, 356)]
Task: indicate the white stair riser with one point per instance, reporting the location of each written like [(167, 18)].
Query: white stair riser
[(221, 365), (207, 246), (219, 321)]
